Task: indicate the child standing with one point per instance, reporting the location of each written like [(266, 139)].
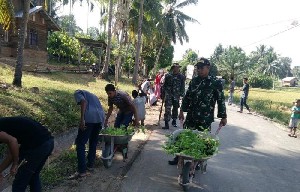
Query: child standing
[(139, 103), (295, 116)]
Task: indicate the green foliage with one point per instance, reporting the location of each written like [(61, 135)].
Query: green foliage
[(68, 24), (61, 45), (196, 145), (56, 172), (118, 131), (189, 58), (261, 81), (7, 18), (54, 105)]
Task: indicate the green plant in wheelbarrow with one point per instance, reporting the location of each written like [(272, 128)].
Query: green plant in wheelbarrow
[(116, 139), (192, 149), (122, 130), (197, 145)]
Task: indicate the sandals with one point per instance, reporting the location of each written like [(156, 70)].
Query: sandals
[(78, 175), (292, 135)]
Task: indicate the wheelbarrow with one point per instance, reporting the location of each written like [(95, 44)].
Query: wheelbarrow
[(114, 143)]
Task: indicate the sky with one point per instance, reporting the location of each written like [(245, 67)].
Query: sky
[(243, 23)]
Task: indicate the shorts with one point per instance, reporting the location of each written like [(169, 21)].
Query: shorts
[(293, 123)]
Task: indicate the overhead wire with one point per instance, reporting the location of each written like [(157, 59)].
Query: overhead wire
[(271, 36)]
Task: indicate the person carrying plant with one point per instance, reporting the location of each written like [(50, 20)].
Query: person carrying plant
[(91, 121), (203, 92), (173, 88), (294, 120), (29, 143)]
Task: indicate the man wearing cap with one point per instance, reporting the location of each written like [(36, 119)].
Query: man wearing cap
[(199, 101), (172, 90)]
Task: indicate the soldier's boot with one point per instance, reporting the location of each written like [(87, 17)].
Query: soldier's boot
[(174, 123), (166, 125)]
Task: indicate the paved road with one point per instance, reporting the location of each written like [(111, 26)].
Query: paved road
[(255, 155)]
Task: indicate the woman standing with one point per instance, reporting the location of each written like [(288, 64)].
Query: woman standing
[(157, 83)]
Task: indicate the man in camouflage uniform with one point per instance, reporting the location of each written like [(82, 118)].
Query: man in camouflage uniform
[(172, 90), (199, 101)]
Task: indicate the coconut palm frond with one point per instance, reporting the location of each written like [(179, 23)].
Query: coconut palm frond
[(186, 3)]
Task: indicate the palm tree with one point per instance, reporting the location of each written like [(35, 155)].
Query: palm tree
[(104, 71), (138, 44), (21, 42), (172, 24)]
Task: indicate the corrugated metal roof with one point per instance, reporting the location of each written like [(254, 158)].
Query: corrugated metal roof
[(288, 78), (47, 17), (32, 10)]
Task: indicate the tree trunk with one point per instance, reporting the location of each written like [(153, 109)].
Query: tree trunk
[(118, 62), (158, 56), (104, 72), (21, 42), (138, 45)]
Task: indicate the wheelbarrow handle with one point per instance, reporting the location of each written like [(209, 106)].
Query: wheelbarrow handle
[(218, 130)]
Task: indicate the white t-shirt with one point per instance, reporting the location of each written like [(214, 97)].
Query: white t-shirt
[(139, 103), (152, 96), (145, 86)]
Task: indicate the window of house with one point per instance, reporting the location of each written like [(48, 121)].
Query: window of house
[(33, 17), (43, 21), (5, 36), (33, 37)]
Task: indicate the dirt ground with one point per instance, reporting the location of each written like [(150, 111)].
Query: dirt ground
[(109, 180)]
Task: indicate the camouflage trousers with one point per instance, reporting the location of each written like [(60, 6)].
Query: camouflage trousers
[(192, 123), (171, 105)]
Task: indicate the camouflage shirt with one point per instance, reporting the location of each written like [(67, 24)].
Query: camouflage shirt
[(200, 99), (174, 85)]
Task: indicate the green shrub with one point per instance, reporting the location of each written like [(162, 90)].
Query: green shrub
[(261, 81)]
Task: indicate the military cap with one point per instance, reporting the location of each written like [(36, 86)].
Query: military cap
[(175, 65), (202, 62)]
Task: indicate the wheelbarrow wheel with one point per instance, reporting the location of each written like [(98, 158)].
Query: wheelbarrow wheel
[(107, 152), (107, 163), (186, 176)]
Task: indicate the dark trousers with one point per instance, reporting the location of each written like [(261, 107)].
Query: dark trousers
[(243, 102), (90, 133), (29, 173), (123, 119)]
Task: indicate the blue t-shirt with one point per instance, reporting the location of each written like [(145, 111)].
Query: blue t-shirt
[(295, 115), (94, 112)]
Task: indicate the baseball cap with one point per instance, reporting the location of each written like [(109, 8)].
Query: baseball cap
[(202, 62), (175, 65)]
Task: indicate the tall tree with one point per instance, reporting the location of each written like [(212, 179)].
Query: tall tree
[(138, 45), (231, 62), (21, 42), (104, 71), (172, 24)]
